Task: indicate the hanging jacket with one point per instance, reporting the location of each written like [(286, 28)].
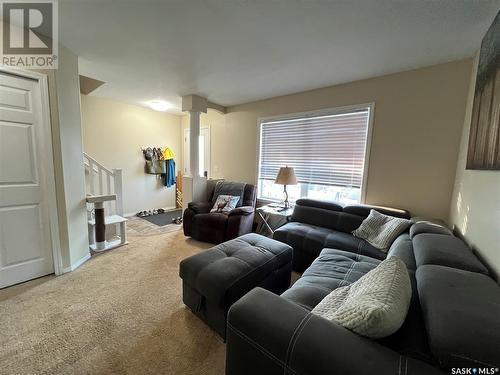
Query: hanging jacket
[(169, 173), (168, 153)]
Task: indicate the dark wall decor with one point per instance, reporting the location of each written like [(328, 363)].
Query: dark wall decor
[(484, 138)]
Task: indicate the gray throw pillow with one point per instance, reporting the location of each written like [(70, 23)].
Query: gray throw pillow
[(381, 230), (374, 306)]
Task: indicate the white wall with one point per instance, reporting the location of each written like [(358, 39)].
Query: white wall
[(475, 205), (113, 134)]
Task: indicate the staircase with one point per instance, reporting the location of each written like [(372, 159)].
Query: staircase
[(104, 193)]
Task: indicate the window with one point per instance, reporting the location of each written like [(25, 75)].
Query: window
[(327, 151)]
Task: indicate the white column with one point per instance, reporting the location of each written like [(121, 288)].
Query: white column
[(194, 143), (194, 186)]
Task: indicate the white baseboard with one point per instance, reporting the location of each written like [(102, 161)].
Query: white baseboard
[(77, 264)]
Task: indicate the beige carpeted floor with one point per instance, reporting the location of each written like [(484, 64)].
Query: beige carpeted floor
[(120, 313)]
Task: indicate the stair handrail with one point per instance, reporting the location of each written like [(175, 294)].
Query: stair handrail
[(115, 173)]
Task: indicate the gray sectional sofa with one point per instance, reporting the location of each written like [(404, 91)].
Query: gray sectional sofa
[(316, 225), (453, 320)]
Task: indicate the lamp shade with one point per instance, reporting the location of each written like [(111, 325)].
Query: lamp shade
[(286, 176)]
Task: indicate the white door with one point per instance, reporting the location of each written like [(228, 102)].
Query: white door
[(25, 236), (204, 152)]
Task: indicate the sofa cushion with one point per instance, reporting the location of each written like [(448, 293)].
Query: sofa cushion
[(445, 250), (402, 247), (327, 205), (348, 222), (461, 310), (312, 239), (381, 230), (363, 210), (375, 305), (317, 215), (333, 268), (426, 226)]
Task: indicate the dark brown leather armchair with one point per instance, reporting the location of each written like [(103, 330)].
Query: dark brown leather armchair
[(203, 225)]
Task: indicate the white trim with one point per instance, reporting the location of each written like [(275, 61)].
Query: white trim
[(184, 150), (366, 167), (77, 264), (326, 111), (49, 161)]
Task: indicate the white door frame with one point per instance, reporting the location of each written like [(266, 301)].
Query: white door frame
[(185, 153), (48, 165)]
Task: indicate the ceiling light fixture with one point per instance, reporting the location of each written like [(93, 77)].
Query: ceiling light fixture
[(159, 105)]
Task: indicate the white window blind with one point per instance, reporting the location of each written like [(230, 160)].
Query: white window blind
[(326, 149)]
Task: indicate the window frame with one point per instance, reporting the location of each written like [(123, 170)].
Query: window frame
[(327, 111)]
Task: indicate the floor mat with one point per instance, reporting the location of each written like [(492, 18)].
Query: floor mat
[(164, 218)]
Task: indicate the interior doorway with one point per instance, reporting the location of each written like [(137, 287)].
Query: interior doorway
[(204, 152)]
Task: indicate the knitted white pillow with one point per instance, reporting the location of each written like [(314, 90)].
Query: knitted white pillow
[(381, 230), (374, 306)]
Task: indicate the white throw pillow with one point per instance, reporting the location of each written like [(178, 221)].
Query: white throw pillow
[(374, 306), (381, 230), (225, 203)]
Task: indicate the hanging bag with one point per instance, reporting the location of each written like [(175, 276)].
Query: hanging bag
[(155, 166)]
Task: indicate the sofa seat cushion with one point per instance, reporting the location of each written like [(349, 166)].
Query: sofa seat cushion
[(332, 269), (312, 239), (461, 310), (233, 265), (445, 250)]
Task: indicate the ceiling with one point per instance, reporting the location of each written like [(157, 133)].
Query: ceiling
[(237, 51)]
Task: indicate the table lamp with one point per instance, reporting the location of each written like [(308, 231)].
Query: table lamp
[(286, 176)]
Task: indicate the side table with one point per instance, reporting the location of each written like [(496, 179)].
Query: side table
[(272, 217)]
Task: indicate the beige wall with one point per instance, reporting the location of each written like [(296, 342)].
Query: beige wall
[(416, 133), (113, 134), (475, 205)]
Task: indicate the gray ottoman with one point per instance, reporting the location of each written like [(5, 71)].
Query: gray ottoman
[(216, 278)]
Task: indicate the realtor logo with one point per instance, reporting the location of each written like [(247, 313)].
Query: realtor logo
[(29, 34)]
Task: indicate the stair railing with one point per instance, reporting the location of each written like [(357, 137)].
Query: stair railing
[(100, 180)]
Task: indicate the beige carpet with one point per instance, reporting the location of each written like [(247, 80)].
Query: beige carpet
[(120, 313)]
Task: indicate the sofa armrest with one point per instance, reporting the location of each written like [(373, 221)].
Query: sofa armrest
[(200, 207), (243, 210), (267, 334)]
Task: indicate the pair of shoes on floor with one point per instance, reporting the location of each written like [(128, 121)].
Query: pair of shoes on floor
[(177, 220), (151, 212)]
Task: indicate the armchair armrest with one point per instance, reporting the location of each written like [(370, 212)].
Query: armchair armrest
[(200, 207), (267, 334), (243, 210)]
